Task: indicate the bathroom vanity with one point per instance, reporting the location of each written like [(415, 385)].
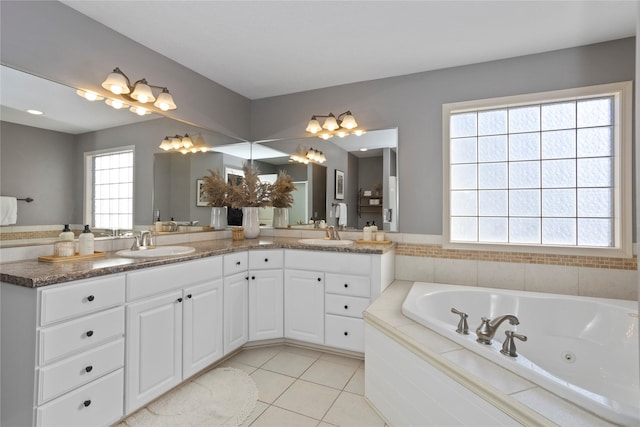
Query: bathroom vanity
[(87, 343)]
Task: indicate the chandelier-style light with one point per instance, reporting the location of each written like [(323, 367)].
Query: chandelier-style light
[(341, 126), (305, 156), (184, 144), (141, 92)]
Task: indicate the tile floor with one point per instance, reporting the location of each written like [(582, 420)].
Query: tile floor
[(301, 387)]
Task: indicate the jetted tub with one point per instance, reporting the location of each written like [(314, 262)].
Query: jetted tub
[(582, 349)]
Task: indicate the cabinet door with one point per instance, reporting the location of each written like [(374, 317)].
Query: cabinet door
[(236, 311), (304, 306), (266, 302), (202, 328), (154, 348)]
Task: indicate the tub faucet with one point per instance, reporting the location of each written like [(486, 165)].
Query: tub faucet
[(489, 327), (463, 326)]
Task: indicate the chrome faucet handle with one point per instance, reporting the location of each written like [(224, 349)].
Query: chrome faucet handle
[(136, 243), (509, 346), (463, 326)]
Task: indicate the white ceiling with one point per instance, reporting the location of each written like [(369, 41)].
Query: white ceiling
[(267, 48)]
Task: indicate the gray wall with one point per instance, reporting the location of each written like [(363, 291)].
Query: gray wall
[(413, 103), (40, 164)]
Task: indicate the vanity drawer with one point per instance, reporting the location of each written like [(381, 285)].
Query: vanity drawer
[(348, 285), (344, 332), (98, 403), (236, 263), (345, 305), (266, 259), (88, 296), (58, 378), (80, 334)]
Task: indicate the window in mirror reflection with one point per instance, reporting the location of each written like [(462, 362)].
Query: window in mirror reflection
[(109, 177)]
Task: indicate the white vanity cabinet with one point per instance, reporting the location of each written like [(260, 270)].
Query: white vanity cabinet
[(266, 294), (67, 358), (236, 300), (304, 305), (174, 326)]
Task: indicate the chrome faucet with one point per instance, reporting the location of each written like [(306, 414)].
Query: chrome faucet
[(488, 327), (509, 346), (332, 233), (173, 226), (143, 241)]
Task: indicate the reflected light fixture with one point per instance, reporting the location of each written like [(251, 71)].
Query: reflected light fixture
[(342, 125), (89, 96), (305, 156), (184, 144), (140, 91)]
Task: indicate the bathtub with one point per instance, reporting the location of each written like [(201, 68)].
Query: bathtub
[(582, 349)]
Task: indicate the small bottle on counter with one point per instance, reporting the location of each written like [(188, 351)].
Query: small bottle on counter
[(159, 224), (367, 235), (86, 242), (67, 234), (374, 230)]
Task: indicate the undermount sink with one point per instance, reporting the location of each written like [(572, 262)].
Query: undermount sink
[(159, 251), (325, 242)]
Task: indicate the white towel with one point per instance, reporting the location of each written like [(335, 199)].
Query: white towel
[(8, 210), (341, 214)]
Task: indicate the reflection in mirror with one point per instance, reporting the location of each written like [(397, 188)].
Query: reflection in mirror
[(369, 163)]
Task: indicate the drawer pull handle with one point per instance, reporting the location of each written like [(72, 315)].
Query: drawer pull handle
[(346, 307), (246, 278), (189, 296), (86, 403), (89, 333), (319, 279), (237, 262), (89, 368), (346, 285), (91, 298), (179, 299), (266, 260), (346, 333)]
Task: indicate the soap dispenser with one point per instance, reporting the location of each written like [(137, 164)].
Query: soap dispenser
[(67, 234), (86, 242)]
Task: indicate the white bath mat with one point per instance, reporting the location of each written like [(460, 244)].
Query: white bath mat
[(222, 397)]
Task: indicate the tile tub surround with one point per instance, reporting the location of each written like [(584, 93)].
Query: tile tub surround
[(32, 273), (509, 392)]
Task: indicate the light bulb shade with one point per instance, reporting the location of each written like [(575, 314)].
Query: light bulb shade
[(141, 111), (115, 103), (165, 144), (325, 136), (331, 123), (349, 122), (187, 142), (176, 143), (116, 83), (142, 92), (165, 101), (314, 125), (89, 96)]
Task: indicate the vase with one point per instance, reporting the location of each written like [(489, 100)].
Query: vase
[(280, 217), (219, 217), (250, 222)]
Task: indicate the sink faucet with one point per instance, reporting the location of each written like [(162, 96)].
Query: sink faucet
[(488, 327), (143, 241), (173, 225), (332, 233)]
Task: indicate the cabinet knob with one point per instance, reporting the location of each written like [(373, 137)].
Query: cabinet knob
[(346, 285), (89, 333), (266, 260), (179, 299), (319, 279), (86, 403), (90, 298), (346, 333), (346, 307), (246, 278), (238, 263), (189, 296), (253, 277), (89, 368)]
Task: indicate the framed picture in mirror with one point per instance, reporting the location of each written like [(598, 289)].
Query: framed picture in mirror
[(339, 185), (200, 197)]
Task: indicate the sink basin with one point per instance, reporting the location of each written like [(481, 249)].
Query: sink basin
[(160, 251), (325, 242)]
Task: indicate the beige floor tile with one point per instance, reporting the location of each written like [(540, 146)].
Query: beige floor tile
[(278, 417), (331, 374), (343, 360), (270, 384), (256, 356), (325, 424), (351, 410), (303, 351), (258, 410), (289, 364), (312, 400), (356, 383), (233, 364)]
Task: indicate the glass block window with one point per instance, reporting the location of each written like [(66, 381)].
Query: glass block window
[(112, 189), (547, 172)]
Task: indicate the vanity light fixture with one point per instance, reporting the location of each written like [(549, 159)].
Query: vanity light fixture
[(184, 144), (141, 91), (89, 96), (342, 125), (305, 156)]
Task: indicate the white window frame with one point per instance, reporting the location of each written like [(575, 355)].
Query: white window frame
[(88, 181), (622, 94)]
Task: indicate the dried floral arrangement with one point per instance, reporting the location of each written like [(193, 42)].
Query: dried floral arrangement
[(251, 192), (215, 189), (281, 189)]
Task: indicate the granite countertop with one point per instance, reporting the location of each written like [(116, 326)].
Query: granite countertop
[(33, 273)]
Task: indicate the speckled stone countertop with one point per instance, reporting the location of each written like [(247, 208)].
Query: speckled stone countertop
[(33, 273)]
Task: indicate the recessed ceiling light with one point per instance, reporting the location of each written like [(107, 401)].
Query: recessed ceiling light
[(363, 149), (35, 112)]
